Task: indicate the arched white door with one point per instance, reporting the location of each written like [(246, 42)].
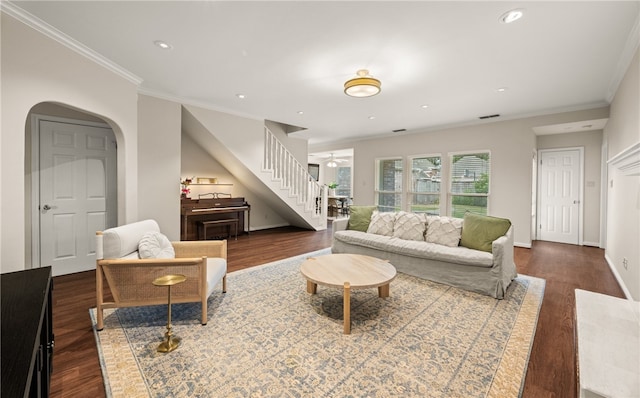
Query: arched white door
[(77, 192)]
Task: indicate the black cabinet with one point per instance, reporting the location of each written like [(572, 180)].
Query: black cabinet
[(27, 332)]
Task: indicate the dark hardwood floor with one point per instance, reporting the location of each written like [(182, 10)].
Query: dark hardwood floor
[(551, 371)]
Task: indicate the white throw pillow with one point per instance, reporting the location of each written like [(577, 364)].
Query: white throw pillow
[(444, 230), (381, 223), (155, 245), (409, 226)]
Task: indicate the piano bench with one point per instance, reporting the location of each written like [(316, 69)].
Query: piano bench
[(228, 222)]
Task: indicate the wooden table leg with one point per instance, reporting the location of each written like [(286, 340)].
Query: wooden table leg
[(383, 291), (312, 287), (347, 308)]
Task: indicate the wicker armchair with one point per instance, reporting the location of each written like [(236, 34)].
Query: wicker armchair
[(129, 278)]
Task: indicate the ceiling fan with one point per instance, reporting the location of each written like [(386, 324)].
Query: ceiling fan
[(333, 162)]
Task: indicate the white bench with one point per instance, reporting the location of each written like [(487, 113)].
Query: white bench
[(608, 346)]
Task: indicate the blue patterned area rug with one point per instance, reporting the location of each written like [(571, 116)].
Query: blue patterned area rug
[(267, 337)]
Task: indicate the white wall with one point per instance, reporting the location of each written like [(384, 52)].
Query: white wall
[(623, 196), (35, 69), (159, 154), (591, 141)]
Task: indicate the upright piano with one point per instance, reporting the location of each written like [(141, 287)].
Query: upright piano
[(193, 211)]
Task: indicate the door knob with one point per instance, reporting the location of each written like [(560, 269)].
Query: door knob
[(575, 202), (46, 207)]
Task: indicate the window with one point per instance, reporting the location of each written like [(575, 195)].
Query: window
[(343, 178), (424, 190), (469, 191), (388, 189), (314, 170)]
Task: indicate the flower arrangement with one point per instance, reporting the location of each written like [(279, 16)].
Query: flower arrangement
[(333, 185), (184, 187)]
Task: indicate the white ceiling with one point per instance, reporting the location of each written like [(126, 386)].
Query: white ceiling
[(287, 57)]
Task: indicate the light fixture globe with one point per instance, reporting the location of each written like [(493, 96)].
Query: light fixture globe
[(362, 86)]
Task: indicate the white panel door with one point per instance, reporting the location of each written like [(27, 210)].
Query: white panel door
[(77, 193), (559, 216)]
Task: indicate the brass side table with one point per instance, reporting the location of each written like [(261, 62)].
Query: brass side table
[(171, 343)]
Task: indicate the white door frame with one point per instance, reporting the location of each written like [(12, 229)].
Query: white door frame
[(581, 189), (35, 175)]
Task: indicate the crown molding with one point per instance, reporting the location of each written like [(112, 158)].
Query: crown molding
[(190, 102), (629, 50), (627, 161), (39, 25)]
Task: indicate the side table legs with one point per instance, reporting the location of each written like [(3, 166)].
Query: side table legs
[(347, 308), (171, 343)]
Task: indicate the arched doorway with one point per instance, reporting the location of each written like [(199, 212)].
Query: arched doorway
[(73, 159)]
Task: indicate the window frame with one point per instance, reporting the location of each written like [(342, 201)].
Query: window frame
[(376, 188), (451, 194), (409, 193)]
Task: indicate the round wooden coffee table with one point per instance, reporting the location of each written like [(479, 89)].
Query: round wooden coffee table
[(348, 271)]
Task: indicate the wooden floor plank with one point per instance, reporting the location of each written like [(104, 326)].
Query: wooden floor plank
[(551, 371)]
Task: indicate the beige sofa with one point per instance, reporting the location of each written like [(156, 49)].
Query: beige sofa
[(489, 273), (130, 277)]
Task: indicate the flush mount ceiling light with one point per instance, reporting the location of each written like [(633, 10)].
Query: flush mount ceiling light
[(364, 85), (512, 15)]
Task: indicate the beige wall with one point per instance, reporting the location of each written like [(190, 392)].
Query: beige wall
[(36, 69), (159, 154), (512, 144), (591, 141), (623, 195)]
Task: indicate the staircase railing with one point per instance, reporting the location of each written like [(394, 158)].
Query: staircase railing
[(293, 176)]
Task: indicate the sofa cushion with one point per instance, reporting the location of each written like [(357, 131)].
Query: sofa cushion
[(155, 245), (479, 232), (409, 226), (381, 223), (443, 230), (359, 217), (433, 251)]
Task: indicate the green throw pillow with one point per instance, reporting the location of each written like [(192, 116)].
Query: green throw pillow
[(478, 231), (360, 217)]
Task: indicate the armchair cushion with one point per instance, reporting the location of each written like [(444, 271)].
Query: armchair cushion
[(155, 245), (216, 270), (123, 240)]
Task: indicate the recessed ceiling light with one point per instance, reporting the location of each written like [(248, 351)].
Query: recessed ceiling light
[(300, 113), (512, 15), (502, 89), (424, 106), (163, 45), (241, 96), (371, 117)]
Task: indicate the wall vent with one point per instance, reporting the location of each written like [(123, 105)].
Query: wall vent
[(489, 116)]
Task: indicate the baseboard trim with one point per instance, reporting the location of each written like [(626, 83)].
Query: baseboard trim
[(593, 244), (268, 227), (525, 245), (623, 286)]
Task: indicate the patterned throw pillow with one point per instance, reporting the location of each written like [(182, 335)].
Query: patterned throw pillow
[(444, 230), (409, 226), (381, 223), (155, 245)]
